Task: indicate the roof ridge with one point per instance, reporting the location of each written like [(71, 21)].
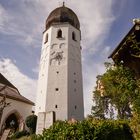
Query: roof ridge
[(4, 81)]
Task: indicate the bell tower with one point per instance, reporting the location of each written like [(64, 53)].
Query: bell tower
[(60, 89)]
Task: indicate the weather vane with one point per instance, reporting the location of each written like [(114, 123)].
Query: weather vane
[(63, 3)]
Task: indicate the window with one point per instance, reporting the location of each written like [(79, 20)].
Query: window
[(55, 106), (57, 72), (74, 81), (74, 73), (56, 89), (46, 38), (59, 33), (73, 36), (75, 107)]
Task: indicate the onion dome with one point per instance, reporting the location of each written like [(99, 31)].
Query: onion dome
[(62, 15)]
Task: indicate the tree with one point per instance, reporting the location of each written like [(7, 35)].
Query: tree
[(3, 103), (88, 129), (134, 45), (119, 90), (31, 123)]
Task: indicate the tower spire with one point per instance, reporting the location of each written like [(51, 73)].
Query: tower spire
[(63, 4)]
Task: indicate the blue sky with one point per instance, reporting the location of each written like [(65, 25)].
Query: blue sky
[(103, 25)]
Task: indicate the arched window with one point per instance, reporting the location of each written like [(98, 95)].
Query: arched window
[(56, 106), (59, 33), (73, 36), (46, 38)]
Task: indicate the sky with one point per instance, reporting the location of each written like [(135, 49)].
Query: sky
[(104, 23)]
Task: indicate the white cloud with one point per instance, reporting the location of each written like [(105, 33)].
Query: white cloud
[(95, 17), (3, 17), (36, 69), (22, 24), (91, 70), (25, 85)]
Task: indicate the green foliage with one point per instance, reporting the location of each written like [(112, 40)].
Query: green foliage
[(134, 45), (136, 101), (113, 130), (19, 134), (89, 129), (101, 106), (135, 125), (120, 90), (29, 137), (31, 123)]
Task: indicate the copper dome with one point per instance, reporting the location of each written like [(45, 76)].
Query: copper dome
[(62, 15)]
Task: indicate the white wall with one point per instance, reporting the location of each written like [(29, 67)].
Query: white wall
[(22, 108), (65, 99)]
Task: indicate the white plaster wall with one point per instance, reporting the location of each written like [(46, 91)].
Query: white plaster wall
[(58, 80), (75, 86), (49, 79), (22, 108), (43, 74)]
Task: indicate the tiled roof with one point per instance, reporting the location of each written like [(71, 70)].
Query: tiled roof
[(4, 81), (120, 44), (11, 91)]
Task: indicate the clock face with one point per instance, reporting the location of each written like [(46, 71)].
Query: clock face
[(57, 56)]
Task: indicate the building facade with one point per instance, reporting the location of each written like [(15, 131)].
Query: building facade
[(128, 50), (14, 108), (60, 89)]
